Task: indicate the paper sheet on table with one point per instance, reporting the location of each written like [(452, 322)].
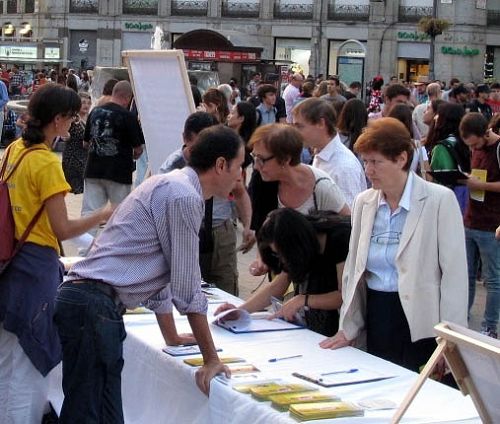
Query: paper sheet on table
[(341, 377), (252, 323)]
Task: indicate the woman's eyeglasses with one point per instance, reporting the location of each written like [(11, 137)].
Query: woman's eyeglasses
[(259, 160)]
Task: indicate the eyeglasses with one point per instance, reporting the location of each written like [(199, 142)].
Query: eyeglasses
[(387, 237), (258, 160)]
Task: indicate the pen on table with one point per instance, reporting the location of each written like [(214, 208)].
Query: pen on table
[(341, 372), (285, 357)]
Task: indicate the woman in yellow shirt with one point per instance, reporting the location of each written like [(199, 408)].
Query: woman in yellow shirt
[(29, 346)]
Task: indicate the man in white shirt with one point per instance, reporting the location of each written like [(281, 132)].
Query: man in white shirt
[(316, 119), (290, 94), (433, 92)]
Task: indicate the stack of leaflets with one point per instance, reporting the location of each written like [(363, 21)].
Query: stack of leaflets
[(198, 362), (283, 401), (184, 350), (246, 386), (263, 392), (324, 410)]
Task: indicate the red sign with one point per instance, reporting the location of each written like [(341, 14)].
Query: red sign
[(221, 55)]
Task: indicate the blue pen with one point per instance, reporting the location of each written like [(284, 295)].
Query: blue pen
[(341, 372), (285, 357)]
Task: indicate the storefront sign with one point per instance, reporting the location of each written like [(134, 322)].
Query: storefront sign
[(83, 45), (21, 52), (140, 26), (52, 53), (220, 55), (415, 36), (466, 51)]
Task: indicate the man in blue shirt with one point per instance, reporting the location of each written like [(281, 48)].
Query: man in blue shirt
[(4, 98)]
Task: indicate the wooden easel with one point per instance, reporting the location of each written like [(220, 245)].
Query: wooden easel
[(451, 340)]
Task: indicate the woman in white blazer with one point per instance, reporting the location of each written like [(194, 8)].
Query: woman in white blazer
[(406, 269)]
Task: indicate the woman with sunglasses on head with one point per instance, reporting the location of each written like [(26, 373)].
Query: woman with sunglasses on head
[(311, 250), (29, 345), (406, 268)]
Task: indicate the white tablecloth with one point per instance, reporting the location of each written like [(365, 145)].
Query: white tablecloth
[(159, 388)]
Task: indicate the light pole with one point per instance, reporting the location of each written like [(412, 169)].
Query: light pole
[(433, 41)]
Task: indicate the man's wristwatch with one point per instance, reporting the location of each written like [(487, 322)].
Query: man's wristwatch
[(306, 303)]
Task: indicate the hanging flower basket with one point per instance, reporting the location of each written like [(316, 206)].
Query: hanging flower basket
[(433, 26)]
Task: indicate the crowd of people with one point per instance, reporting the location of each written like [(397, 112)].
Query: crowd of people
[(373, 221)]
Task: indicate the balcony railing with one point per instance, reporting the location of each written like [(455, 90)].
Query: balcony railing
[(134, 7), (29, 6), (348, 12), (413, 13), (284, 10), (190, 8), (493, 17), (240, 10), (83, 6)]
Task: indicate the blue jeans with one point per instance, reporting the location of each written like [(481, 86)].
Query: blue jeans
[(482, 244), (92, 332)]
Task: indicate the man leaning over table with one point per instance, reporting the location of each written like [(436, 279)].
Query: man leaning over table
[(147, 254)]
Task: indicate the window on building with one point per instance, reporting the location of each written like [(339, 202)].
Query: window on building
[(140, 7), (84, 6), (293, 9), (189, 7), (11, 6), (29, 6)]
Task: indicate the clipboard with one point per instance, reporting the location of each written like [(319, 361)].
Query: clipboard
[(367, 377)]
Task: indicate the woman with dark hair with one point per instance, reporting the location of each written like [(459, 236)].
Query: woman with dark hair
[(420, 160), (243, 119), (406, 267), (74, 157), (447, 149), (85, 82), (375, 97), (311, 250), (215, 103), (29, 346), (107, 91), (351, 122), (72, 83)]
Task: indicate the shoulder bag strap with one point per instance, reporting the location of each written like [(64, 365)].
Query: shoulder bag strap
[(314, 192), (5, 159), (34, 220), (4, 165)]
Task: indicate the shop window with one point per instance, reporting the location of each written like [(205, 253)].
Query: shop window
[(189, 8), (11, 6), (140, 7), (29, 6), (293, 9), (84, 6)]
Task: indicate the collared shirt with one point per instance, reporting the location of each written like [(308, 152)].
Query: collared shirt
[(290, 94), (344, 168), (222, 208), (268, 116), (148, 251), (4, 96), (381, 271)]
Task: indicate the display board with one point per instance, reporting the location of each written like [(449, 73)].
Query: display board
[(163, 97), (474, 360)]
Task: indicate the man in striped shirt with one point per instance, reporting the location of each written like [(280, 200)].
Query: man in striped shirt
[(146, 255)]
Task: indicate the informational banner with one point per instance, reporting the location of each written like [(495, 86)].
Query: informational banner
[(52, 53), (221, 55), (21, 52)]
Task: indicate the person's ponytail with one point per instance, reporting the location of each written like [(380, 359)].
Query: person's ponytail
[(33, 132)]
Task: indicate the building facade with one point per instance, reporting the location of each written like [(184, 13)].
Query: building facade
[(355, 39)]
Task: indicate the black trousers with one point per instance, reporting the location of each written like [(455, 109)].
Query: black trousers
[(388, 334)]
